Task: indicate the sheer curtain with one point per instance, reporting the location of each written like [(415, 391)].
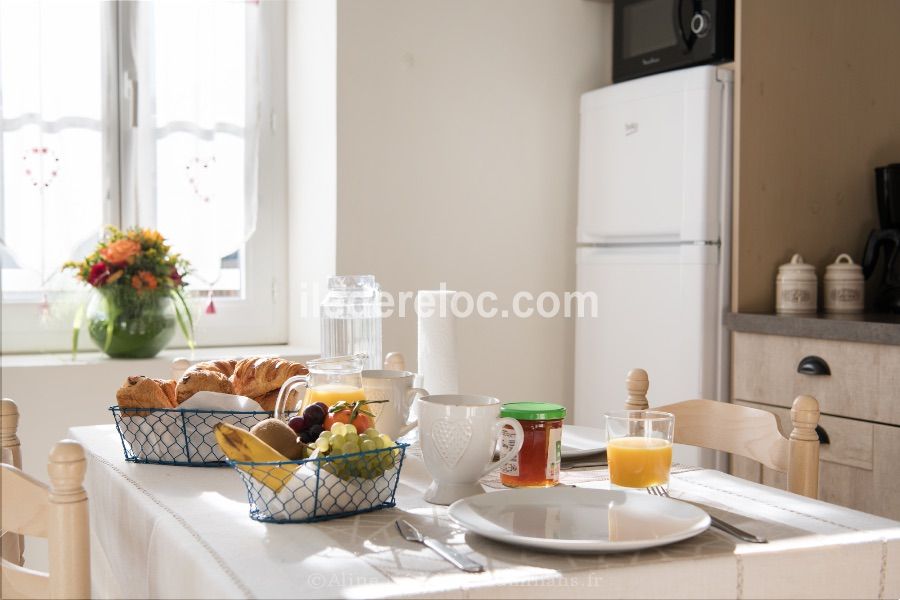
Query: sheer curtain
[(195, 138), (53, 189)]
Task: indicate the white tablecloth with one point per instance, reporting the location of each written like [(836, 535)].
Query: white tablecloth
[(185, 532)]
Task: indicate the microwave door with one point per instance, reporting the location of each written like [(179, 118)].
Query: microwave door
[(652, 36)]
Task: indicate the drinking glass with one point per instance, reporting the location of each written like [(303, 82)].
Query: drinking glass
[(639, 447)]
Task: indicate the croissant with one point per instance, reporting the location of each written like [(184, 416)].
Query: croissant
[(142, 392), (198, 380), (255, 376), (225, 367)]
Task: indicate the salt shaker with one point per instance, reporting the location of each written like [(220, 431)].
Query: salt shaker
[(795, 288), (844, 286)]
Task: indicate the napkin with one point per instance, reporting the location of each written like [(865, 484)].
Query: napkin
[(187, 437), (301, 498)]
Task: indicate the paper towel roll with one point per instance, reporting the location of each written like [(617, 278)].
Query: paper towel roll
[(437, 341)]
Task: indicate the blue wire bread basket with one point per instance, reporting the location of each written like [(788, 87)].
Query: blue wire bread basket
[(317, 489), (170, 436)]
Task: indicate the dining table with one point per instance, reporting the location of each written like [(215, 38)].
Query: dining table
[(177, 532)]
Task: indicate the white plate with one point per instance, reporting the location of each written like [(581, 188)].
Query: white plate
[(568, 519), (578, 441)]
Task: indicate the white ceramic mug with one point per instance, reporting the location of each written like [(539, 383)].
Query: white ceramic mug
[(459, 434), (392, 417)]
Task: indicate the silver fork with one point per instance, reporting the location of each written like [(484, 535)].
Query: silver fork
[(658, 490)]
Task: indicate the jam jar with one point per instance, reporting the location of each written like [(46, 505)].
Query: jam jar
[(537, 464)]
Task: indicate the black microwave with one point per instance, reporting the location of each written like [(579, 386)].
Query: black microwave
[(652, 36)]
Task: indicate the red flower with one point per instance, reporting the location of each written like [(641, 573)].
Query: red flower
[(99, 274), (175, 277)]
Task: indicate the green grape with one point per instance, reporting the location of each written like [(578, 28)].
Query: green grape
[(368, 445), (371, 432), (323, 444)]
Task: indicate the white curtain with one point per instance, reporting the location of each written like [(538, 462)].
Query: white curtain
[(197, 65), (52, 183)]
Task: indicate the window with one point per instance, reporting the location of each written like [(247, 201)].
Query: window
[(161, 114)]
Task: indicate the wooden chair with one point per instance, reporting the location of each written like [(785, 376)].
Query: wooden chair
[(745, 431), (58, 512), (12, 545)]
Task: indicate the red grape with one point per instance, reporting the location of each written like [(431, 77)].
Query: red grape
[(297, 423), (314, 414)]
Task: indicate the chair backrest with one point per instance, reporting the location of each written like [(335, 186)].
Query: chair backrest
[(12, 545), (58, 512), (748, 432)]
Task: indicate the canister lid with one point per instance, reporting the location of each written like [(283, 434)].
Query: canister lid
[(844, 268), (533, 411), (797, 268)]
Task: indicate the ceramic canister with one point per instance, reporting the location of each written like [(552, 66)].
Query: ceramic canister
[(795, 288), (844, 286)]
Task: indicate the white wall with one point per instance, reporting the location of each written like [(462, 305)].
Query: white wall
[(457, 161)]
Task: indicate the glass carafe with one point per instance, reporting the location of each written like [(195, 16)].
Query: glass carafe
[(351, 318), (329, 380)]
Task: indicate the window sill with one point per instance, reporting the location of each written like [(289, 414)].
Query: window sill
[(164, 358)]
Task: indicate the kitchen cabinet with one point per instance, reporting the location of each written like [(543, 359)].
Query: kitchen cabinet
[(860, 405), (816, 110)]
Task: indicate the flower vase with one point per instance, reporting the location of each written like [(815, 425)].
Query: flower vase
[(127, 323)]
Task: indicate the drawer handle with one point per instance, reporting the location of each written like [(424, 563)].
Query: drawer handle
[(813, 365), (823, 435)]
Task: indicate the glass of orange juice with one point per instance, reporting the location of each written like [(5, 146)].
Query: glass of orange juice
[(639, 447), (329, 381)]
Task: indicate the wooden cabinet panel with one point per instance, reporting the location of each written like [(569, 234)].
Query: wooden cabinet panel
[(858, 468), (864, 381)]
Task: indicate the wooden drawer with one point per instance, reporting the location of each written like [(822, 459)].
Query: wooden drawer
[(864, 381), (858, 468)]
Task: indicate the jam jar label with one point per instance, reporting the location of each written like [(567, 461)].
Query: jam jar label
[(554, 453), (507, 443)]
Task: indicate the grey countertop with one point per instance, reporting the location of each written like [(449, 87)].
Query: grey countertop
[(870, 328)]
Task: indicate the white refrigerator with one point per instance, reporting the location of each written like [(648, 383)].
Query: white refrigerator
[(654, 218)]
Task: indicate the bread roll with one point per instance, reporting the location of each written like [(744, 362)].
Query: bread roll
[(196, 380), (255, 377), (142, 392)]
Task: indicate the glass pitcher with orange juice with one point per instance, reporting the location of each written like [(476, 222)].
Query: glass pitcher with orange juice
[(639, 447), (329, 381)]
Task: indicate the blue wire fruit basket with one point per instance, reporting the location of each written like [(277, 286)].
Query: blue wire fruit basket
[(171, 436), (317, 489)]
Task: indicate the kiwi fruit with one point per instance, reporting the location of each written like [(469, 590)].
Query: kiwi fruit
[(282, 438)]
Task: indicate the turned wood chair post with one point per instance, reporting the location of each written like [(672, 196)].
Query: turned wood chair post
[(12, 545), (9, 423), (803, 453), (637, 383), (395, 361), (67, 527)]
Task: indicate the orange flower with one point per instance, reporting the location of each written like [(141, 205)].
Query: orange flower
[(144, 279), (120, 252)]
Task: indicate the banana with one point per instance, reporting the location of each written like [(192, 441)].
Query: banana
[(242, 446)]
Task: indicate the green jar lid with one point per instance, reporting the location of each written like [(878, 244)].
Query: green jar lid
[(533, 411)]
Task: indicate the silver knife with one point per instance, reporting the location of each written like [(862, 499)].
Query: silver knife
[(455, 558)]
